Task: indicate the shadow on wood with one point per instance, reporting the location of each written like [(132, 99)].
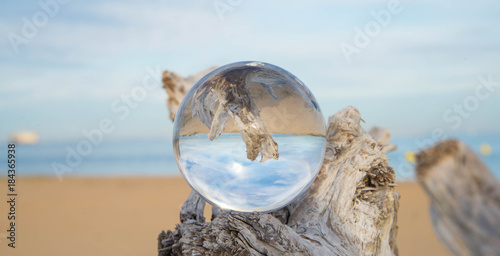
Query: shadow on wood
[(350, 209), (464, 196)]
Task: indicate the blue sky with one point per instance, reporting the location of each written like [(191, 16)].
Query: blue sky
[(426, 60)]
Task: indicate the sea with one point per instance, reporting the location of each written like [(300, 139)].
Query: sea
[(405, 170), (155, 158)]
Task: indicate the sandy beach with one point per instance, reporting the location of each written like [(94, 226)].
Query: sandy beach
[(123, 216)]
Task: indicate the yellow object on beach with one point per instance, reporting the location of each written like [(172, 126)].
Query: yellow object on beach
[(410, 157), (25, 137), (485, 149)]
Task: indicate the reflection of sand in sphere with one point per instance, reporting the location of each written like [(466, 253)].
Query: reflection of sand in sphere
[(291, 114)]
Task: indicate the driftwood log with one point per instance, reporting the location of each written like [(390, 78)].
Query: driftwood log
[(177, 87), (350, 209), (464, 198)]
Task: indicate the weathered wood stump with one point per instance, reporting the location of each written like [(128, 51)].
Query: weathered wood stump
[(350, 209), (464, 197), (177, 87)]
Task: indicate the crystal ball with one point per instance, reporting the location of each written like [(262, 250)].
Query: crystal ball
[(249, 136)]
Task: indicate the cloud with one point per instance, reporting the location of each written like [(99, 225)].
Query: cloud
[(98, 50)]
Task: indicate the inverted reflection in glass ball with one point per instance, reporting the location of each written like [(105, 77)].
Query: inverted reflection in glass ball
[(249, 136)]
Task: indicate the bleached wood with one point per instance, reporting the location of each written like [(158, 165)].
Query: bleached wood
[(464, 196), (350, 209), (383, 137), (177, 86)]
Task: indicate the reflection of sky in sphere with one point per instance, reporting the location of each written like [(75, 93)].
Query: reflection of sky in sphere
[(220, 171)]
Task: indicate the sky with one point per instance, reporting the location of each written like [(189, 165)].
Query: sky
[(67, 67)]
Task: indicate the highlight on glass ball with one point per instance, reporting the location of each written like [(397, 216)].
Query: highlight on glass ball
[(249, 136)]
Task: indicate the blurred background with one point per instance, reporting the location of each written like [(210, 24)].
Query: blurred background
[(81, 80), (413, 67)]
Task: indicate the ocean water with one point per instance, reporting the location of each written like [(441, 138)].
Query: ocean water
[(109, 158), (221, 172), (406, 170), (156, 157)]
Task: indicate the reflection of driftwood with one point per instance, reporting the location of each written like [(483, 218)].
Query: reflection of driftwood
[(350, 209), (220, 101), (464, 196), (228, 96)]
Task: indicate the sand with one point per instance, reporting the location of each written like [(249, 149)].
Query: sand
[(123, 216)]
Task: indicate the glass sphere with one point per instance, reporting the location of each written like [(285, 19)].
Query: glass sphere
[(249, 136)]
